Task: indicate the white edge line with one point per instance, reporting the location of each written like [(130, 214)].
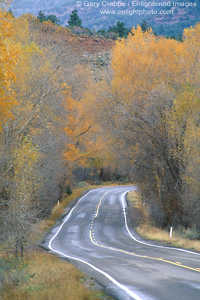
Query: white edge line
[(147, 244), (130, 293)]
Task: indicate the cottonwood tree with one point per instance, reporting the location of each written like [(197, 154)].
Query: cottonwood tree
[(44, 118), (184, 127), (19, 211), (138, 102), (36, 123), (185, 132), (82, 131), (9, 56)]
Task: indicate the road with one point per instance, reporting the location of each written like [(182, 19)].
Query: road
[(98, 238)]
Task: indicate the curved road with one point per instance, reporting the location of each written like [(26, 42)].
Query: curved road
[(96, 236)]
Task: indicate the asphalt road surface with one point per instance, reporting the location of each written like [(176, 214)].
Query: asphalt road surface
[(98, 238)]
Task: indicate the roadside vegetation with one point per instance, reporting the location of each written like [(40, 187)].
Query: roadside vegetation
[(44, 276), (180, 238), (41, 275)]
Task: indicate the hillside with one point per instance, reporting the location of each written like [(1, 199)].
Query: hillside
[(165, 17)]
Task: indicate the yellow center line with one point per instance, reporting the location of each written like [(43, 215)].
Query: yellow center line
[(92, 238), (97, 209)]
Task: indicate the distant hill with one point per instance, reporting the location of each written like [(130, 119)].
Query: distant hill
[(165, 17)]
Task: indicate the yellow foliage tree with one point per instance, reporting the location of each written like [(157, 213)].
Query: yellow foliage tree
[(22, 207), (85, 137), (149, 73), (184, 126), (31, 115), (8, 58)]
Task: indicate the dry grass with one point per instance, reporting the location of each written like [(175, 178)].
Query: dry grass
[(136, 198), (49, 278), (153, 233), (147, 230)]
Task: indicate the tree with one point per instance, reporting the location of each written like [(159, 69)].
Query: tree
[(10, 12), (74, 19), (151, 114), (20, 211), (9, 56), (121, 29), (42, 18), (53, 19), (140, 97), (31, 141), (185, 131), (144, 26), (184, 127)]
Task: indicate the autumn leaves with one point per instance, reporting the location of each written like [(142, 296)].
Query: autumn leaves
[(47, 121), (138, 117), (8, 60), (31, 110), (154, 99)]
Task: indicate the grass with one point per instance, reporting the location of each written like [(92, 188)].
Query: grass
[(41, 275), (49, 278), (147, 230)]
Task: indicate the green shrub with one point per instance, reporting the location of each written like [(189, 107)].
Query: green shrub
[(192, 233)]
